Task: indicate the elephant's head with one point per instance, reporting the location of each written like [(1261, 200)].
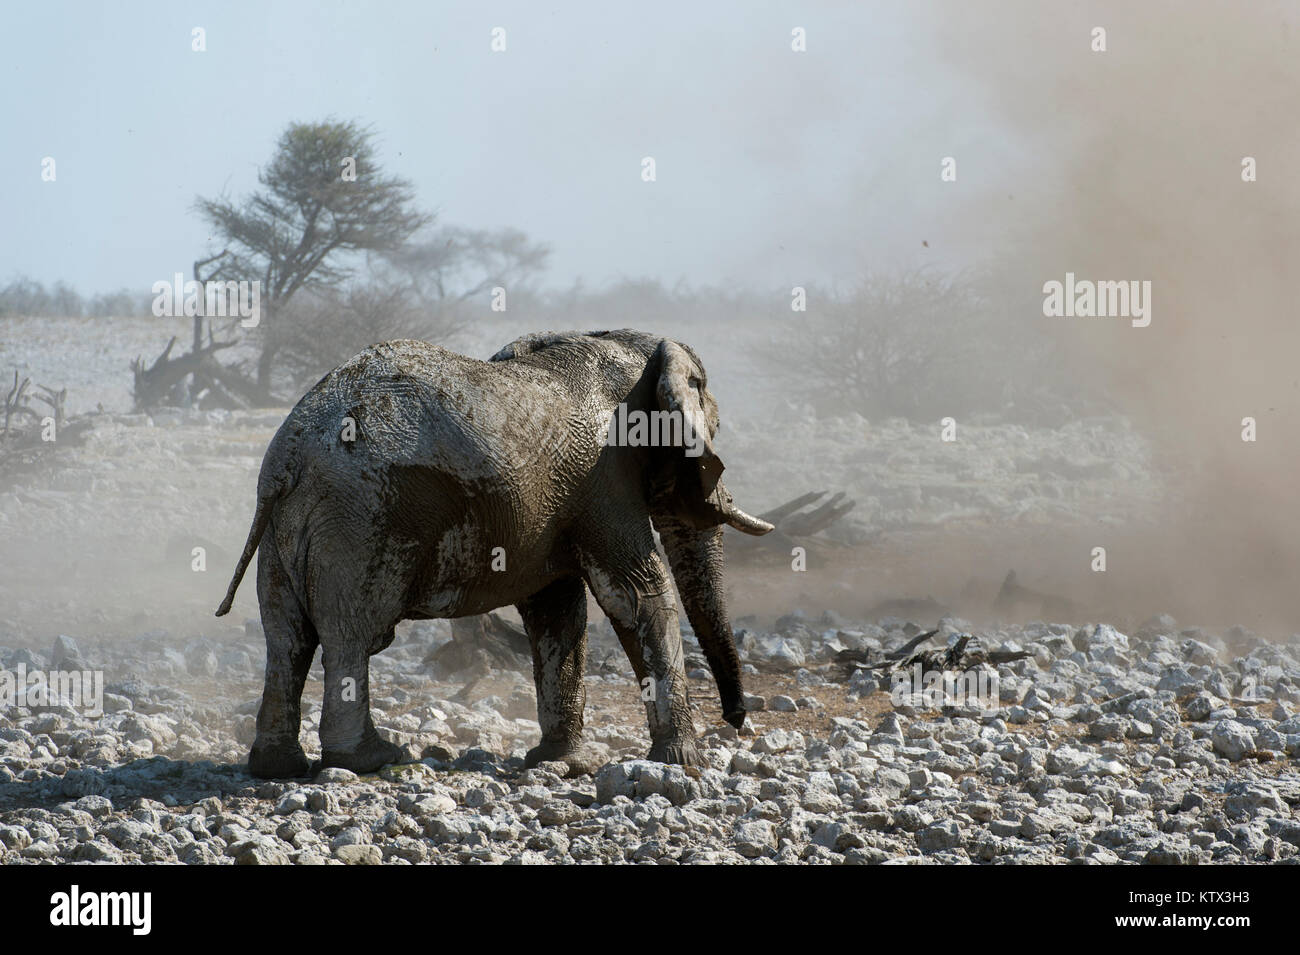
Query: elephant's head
[(685, 482)]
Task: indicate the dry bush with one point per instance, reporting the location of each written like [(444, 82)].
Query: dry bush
[(922, 345)]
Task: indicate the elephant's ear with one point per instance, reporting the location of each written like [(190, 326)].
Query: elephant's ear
[(694, 477)]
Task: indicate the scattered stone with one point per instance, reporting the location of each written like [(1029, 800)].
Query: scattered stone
[(359, 855), (1106, 749), (1232, 740), (336, 774)]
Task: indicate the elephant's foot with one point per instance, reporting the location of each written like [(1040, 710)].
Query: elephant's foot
[(278, 760), (582, 760), (679, 751), (373, 753)]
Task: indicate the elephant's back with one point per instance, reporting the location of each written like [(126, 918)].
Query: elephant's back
[(400, 366), (413, 404)]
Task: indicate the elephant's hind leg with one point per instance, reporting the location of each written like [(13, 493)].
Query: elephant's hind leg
[(290, 646), (556, 620), (348, 737)]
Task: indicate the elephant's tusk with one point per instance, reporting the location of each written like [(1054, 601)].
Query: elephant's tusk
[(746, 523)]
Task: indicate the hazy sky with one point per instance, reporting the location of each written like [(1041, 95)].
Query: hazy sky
[(774, 167)]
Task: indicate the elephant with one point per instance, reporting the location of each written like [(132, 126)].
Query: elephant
[(415, 483)]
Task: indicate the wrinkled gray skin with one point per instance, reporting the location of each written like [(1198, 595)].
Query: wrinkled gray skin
[(454, 458)]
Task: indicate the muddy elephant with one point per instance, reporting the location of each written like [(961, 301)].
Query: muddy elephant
[(416, 483)]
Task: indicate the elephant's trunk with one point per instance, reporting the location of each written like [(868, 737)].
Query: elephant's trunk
[(697, 563)]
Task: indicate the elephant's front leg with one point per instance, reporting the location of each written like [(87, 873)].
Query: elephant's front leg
[(639, 602), (556, 620), (348, 737)]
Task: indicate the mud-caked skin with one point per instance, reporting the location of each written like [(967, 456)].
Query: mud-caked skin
[(415, 483)]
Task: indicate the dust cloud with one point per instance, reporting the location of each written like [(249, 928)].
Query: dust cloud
[(1131, 169), (1123, 165)]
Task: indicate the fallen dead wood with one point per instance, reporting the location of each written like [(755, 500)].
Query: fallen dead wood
[(19, 415), (790, 518), (795, 523), (195, 377), (482, 642), (956, 658), (850, 661), (29, 434)]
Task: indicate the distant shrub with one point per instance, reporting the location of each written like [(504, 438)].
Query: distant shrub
[(26, 297), (922, 345)]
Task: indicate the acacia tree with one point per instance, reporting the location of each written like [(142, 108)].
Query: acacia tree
[(322, 201)]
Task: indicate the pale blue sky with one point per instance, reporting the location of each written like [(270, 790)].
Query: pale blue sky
[(775, 168)]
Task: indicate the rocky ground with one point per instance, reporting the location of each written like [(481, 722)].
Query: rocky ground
[(1169, 744), (1164, 746)]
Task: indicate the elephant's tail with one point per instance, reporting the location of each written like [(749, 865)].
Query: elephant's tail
[(266, 498)]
